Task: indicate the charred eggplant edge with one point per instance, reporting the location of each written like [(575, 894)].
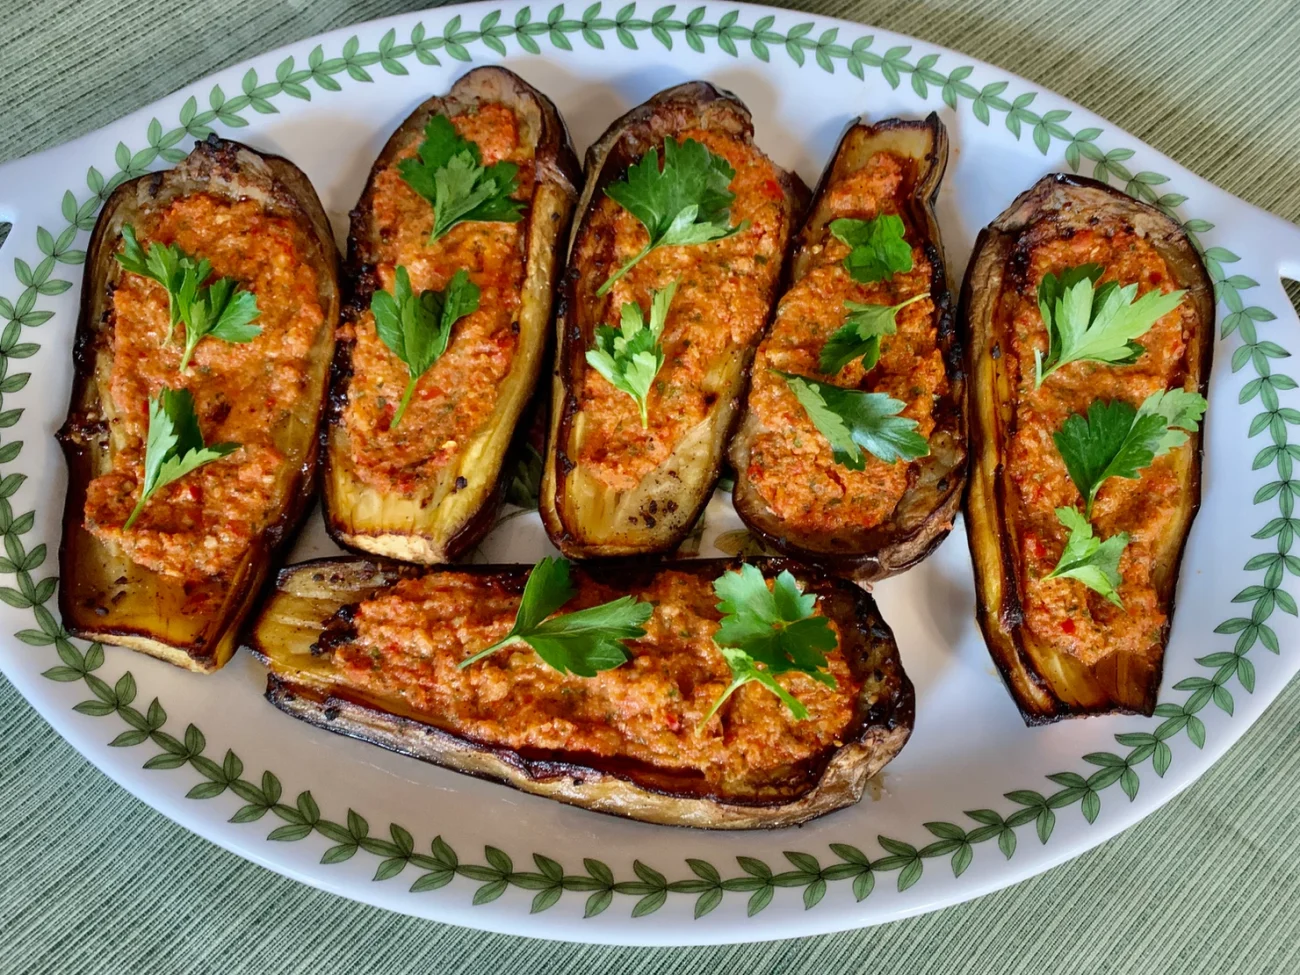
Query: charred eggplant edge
[(885, 722), (557, 170), (887, 550), (298, 198), (604, 165), (1033, 694)]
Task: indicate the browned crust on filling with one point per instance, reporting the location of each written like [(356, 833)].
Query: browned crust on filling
[(323, 687), (103, 595), (610, 489), (883, 520), (1048, 679), (432, 501)]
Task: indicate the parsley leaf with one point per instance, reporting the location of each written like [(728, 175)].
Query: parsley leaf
[(765, 632), (417, 328), (744, 669), (164, 263), (173, 446), (583, 642), (860, 335), (879, 250), (631, 356), (450, 174), (1182, 412), (1116, 440), (686, 202), (220, 310), (854, 421), (1084, 321), (1088, 559)]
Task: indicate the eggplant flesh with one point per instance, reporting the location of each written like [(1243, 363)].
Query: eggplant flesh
[(1048, 683), (585, 517), (295, 633), (103, 595), (446, 514), (924, 515)]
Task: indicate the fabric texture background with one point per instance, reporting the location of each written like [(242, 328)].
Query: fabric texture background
[(93, 881)]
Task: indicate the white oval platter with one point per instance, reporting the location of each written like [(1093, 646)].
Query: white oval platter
[(976, 800)]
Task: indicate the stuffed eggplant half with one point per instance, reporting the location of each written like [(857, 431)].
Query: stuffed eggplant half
[(851, 452), (665, 727), (201, 363), (673, 269), (452, 260), (1090, 319)]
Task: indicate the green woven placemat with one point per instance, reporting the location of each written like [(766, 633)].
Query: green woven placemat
[(92, 881)]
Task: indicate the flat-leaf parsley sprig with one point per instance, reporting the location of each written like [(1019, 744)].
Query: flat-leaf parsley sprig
[(163, 263), (173, 445), (1116, 440), (878, 248), (631, 356), (417, 328), (766, 632), (448, 171), (1085, 321), (861, 333), (688, 201), (583, 642), (1087, 558), (854, 421), (222, 310), (218, 310)]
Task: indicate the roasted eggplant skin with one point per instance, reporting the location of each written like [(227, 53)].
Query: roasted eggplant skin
[(308, 595), (102, 594), (668, 507), (1048, 685), (422, 528), (924, 516)]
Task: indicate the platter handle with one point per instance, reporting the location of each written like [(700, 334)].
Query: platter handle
[(1284, 241), (1287, 236), (1269, 248)]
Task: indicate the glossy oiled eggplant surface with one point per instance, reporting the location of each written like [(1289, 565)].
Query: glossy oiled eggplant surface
[(305, 631), (1046, 677), (806, 505), (103, 594), (434, 512)]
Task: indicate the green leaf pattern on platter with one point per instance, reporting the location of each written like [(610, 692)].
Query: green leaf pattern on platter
[(647, 890)]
